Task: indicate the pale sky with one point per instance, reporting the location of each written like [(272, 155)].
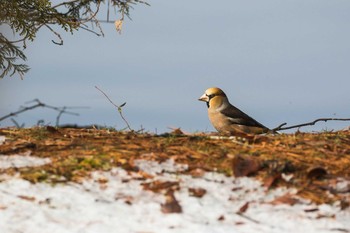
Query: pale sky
[(278, 61)]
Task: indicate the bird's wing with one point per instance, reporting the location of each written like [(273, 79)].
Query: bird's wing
[(236, 116)]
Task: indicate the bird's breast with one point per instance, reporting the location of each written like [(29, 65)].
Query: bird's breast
[(218, 120)]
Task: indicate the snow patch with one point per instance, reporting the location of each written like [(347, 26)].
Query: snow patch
[(17, 161), (115, 201), (153, 167), (2, 139)]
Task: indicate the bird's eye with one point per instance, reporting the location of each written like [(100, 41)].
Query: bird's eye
[(210, 96)]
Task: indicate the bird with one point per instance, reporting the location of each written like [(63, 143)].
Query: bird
[(226, 118)]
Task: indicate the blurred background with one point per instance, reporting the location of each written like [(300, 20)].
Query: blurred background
[(278, 61)]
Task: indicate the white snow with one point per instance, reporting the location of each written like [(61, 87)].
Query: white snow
[(115, 201), (7, 161), (2, 139)]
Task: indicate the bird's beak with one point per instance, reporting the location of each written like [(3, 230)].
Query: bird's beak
[(204, 98)]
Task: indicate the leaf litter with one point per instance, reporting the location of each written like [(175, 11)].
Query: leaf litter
[(299, 177)]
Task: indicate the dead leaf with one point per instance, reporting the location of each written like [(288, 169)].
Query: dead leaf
[(27, 198), (102, 180), (272, 180), (319, 216), (285, 199), (118, 25), (239, 223), (197, 172), (279, 166), (197, 192), (145, 175), (171, 205), (128, 200), (243, 208), (344, 204), (311, 210), (316, 173), (245, 165), (221, 218), (176, 131), (52, 130), (159, 185)]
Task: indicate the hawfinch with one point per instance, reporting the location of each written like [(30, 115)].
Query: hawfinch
[(226, 118)]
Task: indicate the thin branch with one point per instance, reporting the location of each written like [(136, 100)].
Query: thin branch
[(109, 1), (24, 38), (55, 108), (89, 30), (92, 14), (62, 111), (57, 34), (248, 218), (38, 104), (280, 127), (17, 124), (118, 107), (71, 15), (107, 97), (59, 116), (19, 40), (65, 3), (40, 122), (105, 21)]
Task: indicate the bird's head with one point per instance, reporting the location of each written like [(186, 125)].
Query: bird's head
[(213, 94)]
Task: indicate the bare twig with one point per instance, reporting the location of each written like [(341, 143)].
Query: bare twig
[(40, 122), (38, 103), (109, 1), (59, 109), (93, 32), (57, 34), (59, 115), (280, 127), (119, 108), (17, 124), (105, 21), (65, 3), (92, 14), (248, 218)]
